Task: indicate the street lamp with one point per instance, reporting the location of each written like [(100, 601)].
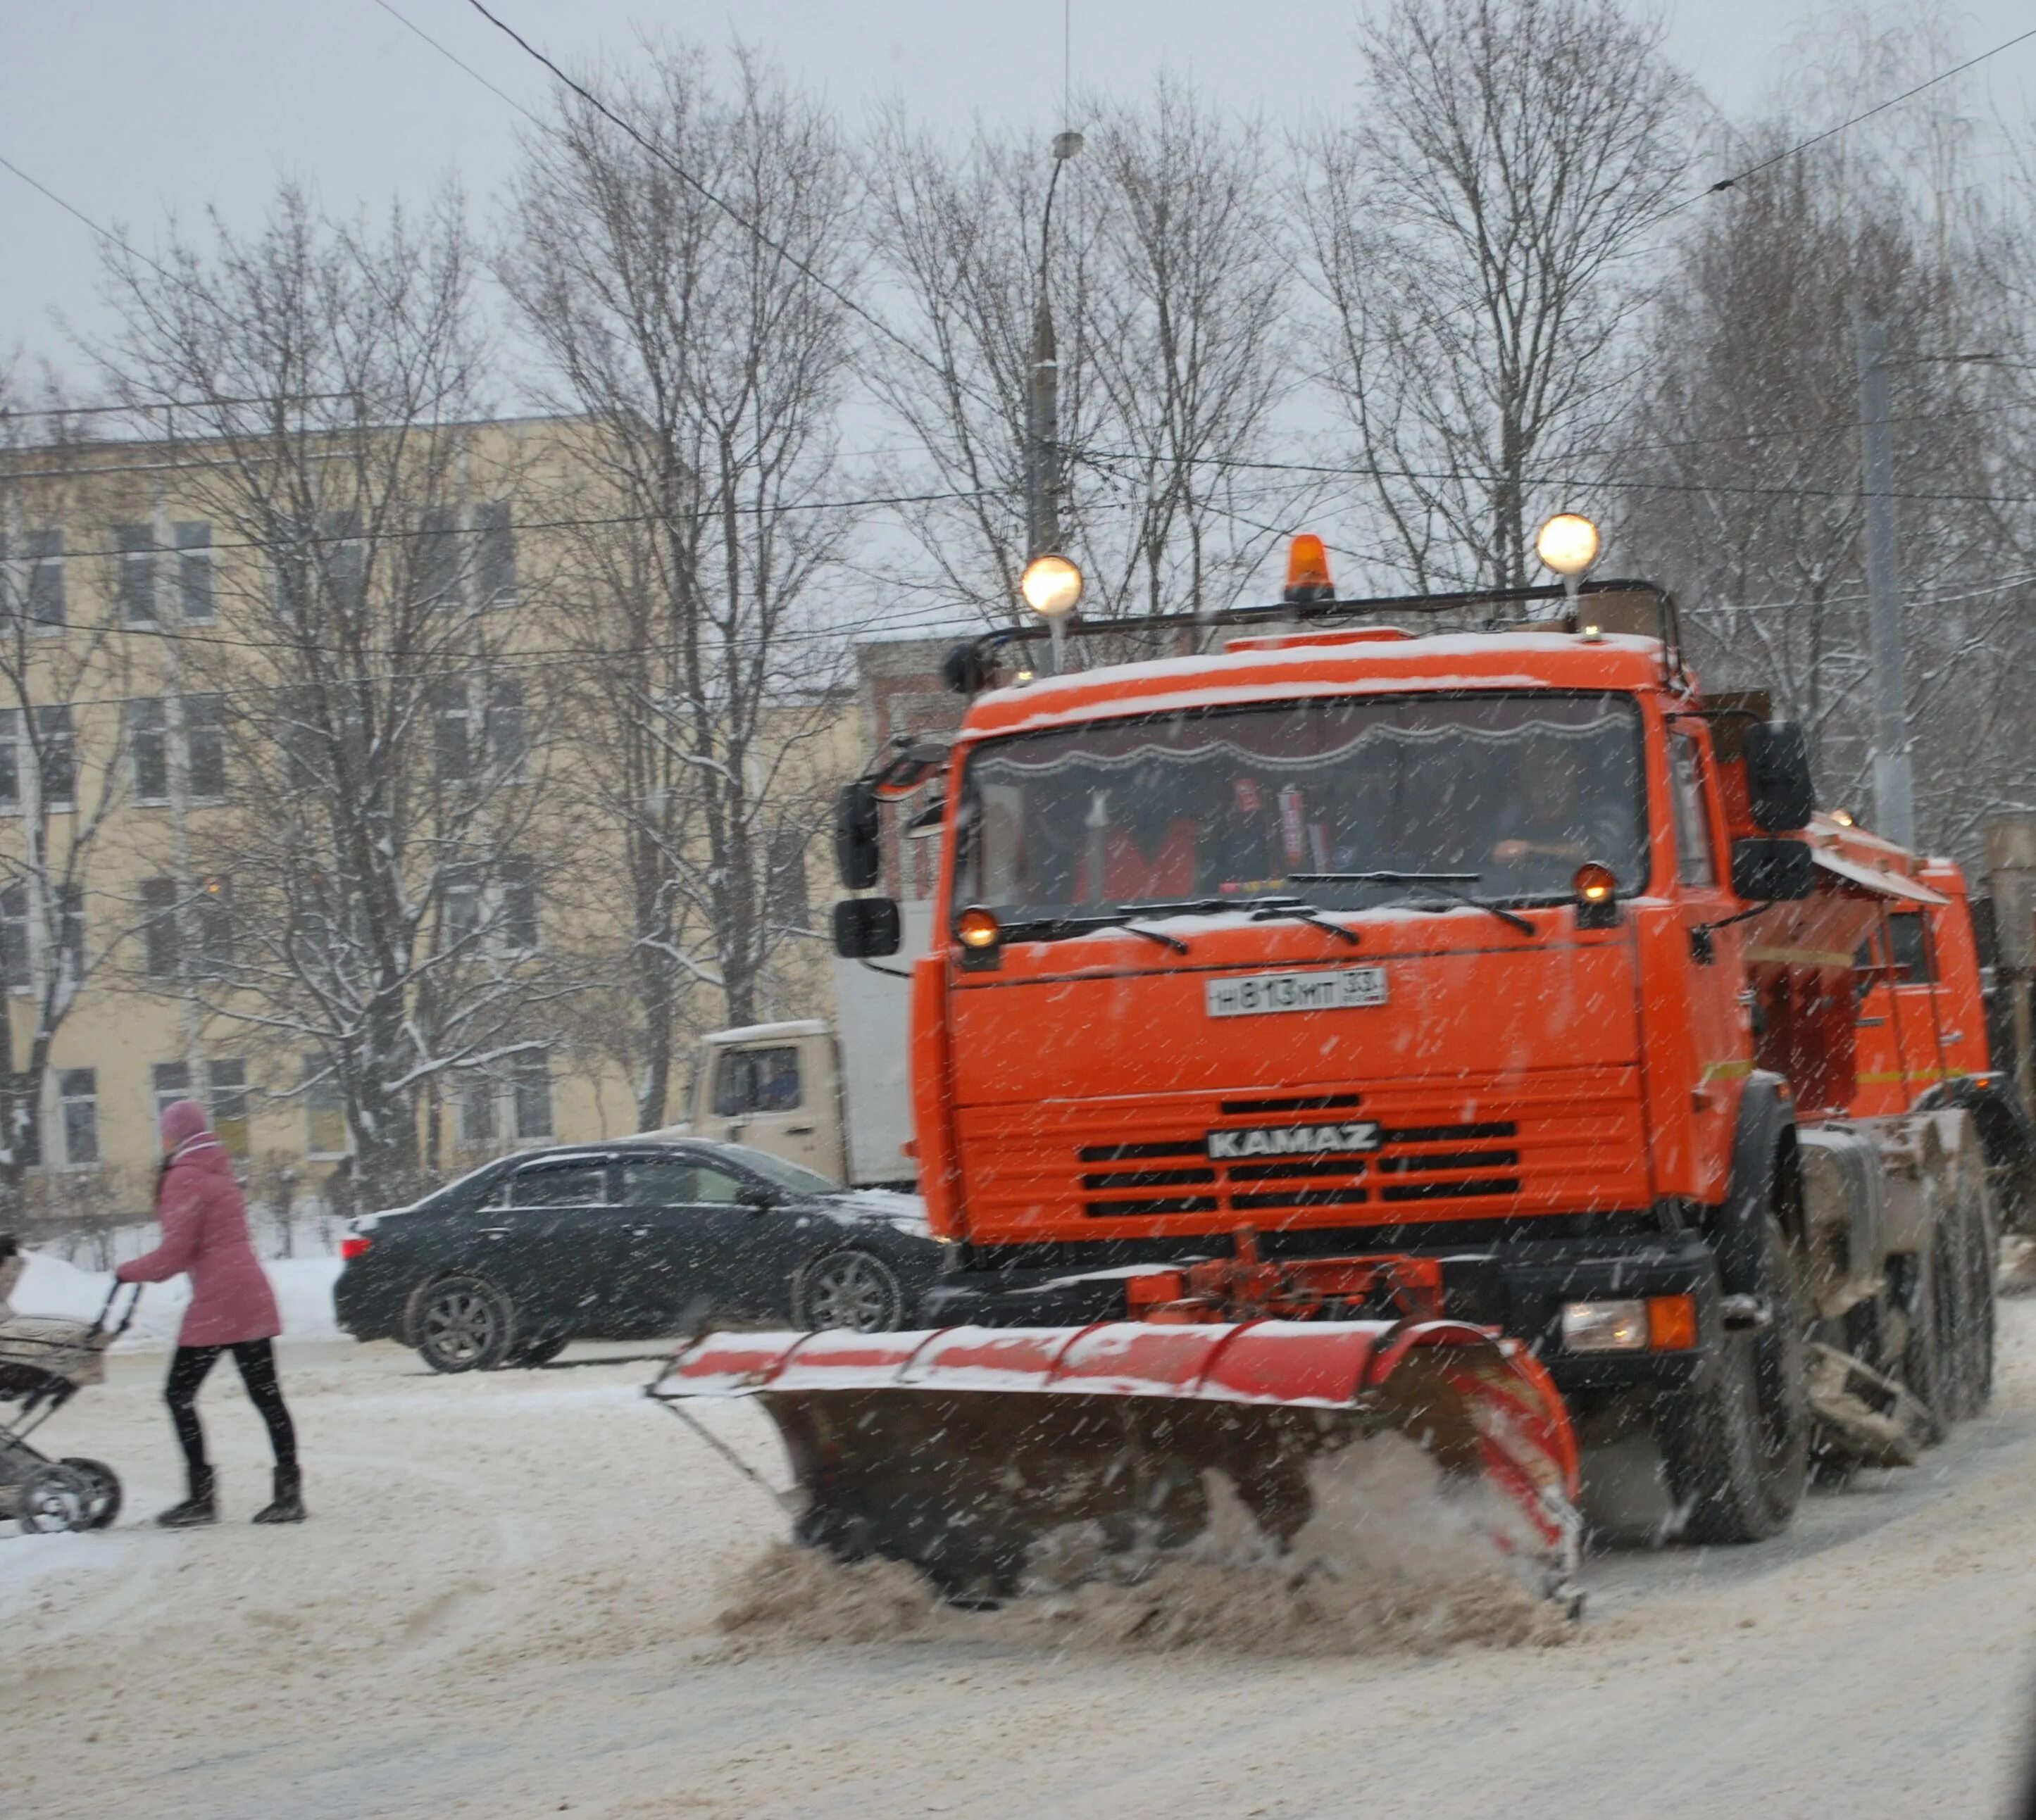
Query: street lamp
[(1043, 404)]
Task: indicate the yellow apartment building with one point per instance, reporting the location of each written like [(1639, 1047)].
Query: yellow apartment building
[(136, 629)]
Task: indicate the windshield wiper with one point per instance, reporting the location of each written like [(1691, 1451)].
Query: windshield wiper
[(1298, 910), (1060, 928), (1450, 884)]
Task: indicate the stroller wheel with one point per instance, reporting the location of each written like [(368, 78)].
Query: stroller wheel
[(104, 1485), (54, 1498)]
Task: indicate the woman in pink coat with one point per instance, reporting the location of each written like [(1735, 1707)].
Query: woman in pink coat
[(233, 1309)]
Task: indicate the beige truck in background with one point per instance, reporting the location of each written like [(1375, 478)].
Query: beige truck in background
[(834, 1099)]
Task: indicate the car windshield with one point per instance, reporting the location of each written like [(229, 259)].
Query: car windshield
[(1504, 794), (780, 1173)]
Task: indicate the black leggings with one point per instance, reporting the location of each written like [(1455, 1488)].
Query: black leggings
[(257, 1360)]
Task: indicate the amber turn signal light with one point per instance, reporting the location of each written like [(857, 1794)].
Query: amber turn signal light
[(977, 928), (1672, 1323), (1597, 895)]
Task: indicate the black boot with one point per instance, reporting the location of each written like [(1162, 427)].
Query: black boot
[(288, 1505), (199, 1508)]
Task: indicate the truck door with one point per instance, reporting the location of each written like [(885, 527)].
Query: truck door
[(777, 1096), (1720, 1025)]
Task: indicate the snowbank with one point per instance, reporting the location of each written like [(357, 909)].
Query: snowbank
[(302, 1286)]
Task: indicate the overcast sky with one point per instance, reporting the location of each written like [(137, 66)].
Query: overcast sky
[(131, 108)]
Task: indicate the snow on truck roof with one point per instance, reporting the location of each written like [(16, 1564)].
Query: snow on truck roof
[(765, 1032), (1448, 660)]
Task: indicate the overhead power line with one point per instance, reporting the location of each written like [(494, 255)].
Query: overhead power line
[(71, 209), (657, 152), (1803, 145)]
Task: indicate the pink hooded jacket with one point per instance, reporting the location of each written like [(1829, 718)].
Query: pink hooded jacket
[(204, 1233)]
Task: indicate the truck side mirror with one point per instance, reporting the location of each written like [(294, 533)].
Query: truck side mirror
[(1779, 789), (867, 928), (857, 856), (1772, 871)]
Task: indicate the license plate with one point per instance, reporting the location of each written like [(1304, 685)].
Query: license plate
[(1255, 995)]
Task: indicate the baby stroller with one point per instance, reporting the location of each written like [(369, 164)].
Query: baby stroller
[(44, 1362)]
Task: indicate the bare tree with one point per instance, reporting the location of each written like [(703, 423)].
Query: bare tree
[(376, 852), (707, 361), (1743, 455), (1476, 229), (1166, 271), (62, 662)]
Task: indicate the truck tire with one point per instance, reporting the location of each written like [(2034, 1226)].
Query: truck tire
[(1735, 1446), (1973, 1319), (1929, 1359)]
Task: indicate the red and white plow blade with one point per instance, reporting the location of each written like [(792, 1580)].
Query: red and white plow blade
[(957, 1450)]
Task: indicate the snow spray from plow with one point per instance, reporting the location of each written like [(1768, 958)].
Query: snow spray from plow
[(958, 1451)]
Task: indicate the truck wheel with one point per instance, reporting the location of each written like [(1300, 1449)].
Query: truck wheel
[(1972, 1326), (1930, 1360), (1736, 1446)]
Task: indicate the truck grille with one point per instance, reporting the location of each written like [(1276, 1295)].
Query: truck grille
[(1564, 1144)]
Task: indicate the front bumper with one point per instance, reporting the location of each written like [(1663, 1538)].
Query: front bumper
[(1520, 1288)]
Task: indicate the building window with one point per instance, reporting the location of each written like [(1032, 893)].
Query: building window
[(494, 555), (148, 749), (214, 903), (14, 937), (324, 1111), (508, 741), (16, 959), (58, 742), (519, 928), (327, 571), (194, 579), (462, 909), (452, 715), (530, 1087), (169, 1081), (11, 760), (438, 564), (135, 590), (77, 1101), (788, 905), (205, 747), (228, 1083), (161, 959), (476, 1112), (44, 550)]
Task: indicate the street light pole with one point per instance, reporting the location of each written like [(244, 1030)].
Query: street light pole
[(1042, 397), (1894, 783)]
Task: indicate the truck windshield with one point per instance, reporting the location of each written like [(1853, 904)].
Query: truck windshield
[(1504, 794)]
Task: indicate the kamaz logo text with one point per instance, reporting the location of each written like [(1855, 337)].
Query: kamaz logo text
[(1294, 1140)]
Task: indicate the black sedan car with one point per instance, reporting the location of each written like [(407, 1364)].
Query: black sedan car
[(630, 1240)]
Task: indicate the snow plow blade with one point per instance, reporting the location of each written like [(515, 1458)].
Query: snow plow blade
[(957, 1450)]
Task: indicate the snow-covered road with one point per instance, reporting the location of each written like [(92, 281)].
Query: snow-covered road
[(505, 1606)]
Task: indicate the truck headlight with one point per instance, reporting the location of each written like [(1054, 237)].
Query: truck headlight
[(1604, 1326), (1660, 1324)]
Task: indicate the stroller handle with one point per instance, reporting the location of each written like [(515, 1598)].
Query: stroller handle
[(127, 1314)]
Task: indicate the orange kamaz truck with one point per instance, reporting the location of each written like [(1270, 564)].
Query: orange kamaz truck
[(1453, 959)]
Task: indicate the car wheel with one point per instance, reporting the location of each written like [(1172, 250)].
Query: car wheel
[(103, 1489), (538, 1352), (849, 1289), (465, 1325)]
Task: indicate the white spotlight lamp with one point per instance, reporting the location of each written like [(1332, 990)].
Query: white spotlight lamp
[(1052, 586)]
